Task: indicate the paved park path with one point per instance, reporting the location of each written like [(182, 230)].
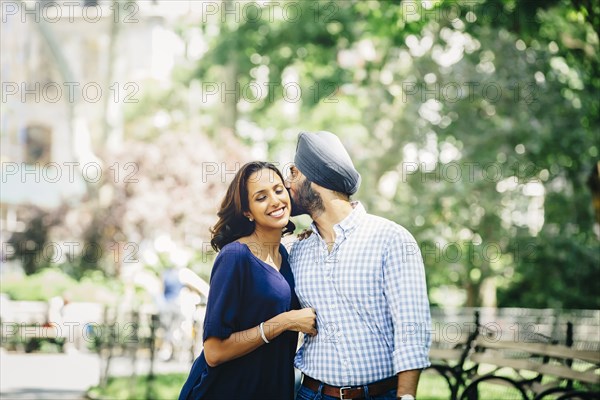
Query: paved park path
[(47, 376), (63, 376)]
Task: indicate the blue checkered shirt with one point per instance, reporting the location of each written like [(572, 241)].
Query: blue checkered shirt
[(370, 297)]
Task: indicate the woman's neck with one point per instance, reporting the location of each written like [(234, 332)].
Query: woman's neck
[(265, 244)]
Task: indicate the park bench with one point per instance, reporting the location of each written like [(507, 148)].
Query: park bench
[(484, 364), (451, 363), (535, 368), (25, 325)]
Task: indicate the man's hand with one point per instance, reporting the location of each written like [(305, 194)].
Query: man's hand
[(305, 234), (407, 382)]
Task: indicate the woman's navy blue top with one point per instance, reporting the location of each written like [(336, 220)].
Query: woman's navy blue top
[(245, 291)]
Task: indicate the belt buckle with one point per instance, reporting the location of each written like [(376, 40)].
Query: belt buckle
[(341, 392)]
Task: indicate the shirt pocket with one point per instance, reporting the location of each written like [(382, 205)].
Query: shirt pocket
[(359, 284)]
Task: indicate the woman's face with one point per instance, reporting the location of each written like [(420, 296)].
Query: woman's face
[(268, 200)]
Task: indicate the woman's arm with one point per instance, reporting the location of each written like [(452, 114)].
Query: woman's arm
[(218, 351)]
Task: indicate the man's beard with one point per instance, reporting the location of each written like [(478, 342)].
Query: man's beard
[(307, 201)]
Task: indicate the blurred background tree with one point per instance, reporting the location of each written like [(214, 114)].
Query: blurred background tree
[(474, 124), (476, 127)]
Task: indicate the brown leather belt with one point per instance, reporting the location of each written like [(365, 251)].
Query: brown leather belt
[(351, 392)]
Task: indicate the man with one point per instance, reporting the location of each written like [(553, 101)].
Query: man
[(365, 278)]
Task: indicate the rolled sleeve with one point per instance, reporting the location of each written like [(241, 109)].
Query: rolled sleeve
[(406, 292)]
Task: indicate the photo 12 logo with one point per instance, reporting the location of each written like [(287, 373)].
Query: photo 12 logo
[(54, 172), (224, 172), (467, 10), (53, 92), (254, 92), (59, 252), (70, 331), (269, 11), (452, 92), (67, 11)]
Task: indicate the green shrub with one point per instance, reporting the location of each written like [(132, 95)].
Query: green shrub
[(51, 282), (40, 286)]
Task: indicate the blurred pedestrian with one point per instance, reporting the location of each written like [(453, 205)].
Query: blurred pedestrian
[(170, 313)]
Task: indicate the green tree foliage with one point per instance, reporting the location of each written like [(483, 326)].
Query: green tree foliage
[(476, 126)]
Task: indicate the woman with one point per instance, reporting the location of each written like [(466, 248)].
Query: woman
[(252, 318)]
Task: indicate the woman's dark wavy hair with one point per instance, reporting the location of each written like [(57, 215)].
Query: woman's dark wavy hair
[(232, 223)]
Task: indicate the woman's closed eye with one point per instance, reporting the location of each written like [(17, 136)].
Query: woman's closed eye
[(278, 189)]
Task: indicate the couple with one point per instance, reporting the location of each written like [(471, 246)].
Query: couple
[(359, 278)]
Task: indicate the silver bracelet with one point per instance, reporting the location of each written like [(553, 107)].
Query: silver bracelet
[(262, 332)]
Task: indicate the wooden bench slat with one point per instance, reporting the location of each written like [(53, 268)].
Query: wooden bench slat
[(543, 349), (559, 371), (498, 381), (445, 354), (562, 371), (499, 361)]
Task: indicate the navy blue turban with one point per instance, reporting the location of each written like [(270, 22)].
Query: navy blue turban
[(322, 158)]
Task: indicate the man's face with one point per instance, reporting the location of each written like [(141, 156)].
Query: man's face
[(305, 200), (293, 180)]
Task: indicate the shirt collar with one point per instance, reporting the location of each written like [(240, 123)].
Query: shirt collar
[(349, 223)]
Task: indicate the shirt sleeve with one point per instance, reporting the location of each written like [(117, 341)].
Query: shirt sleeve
[(406, 292), (225, 296)]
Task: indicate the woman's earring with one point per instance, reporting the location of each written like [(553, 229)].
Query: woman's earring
[(250, 219)]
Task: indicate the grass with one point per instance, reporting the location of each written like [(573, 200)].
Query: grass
[(163, 387), (167, 386), (432, 386)]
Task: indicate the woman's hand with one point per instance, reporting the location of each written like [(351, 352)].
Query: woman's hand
[(303, 320), (219, 350)]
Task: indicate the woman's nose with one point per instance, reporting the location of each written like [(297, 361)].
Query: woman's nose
[(275, 201)]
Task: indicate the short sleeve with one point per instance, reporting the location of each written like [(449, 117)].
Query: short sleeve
[(225, 296)]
